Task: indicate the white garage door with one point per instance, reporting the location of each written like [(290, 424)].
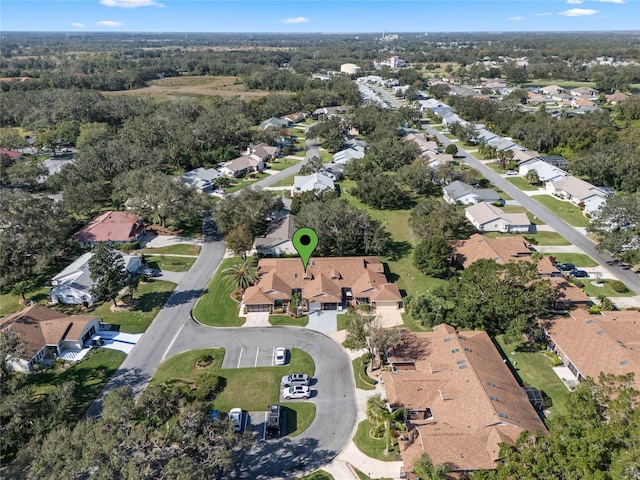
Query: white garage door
[(313, 306)]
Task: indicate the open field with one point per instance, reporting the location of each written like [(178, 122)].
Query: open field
[(216, 307), (196, 86)]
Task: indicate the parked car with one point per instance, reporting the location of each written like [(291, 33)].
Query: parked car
[(149, 272), (578, 274), (295, 379), (235, 415), (511, 172), (273, 421), (281, 356), (565, 267), (298, 391)]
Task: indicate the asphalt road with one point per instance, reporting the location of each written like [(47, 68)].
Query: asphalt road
[(607, 262), (334, 397), (141, 364)]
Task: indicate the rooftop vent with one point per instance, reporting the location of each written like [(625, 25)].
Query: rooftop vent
[(600, 332), (447, 339), (495, 399), (491, 384), (455, 350), (502, 415), (624, 362)]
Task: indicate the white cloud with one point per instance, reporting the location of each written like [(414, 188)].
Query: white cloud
[(515, 19), (108, 23), (296, 20), (578, 12), (78, 25), (610, 1), (130, 3), (574, 2), (543, 14)]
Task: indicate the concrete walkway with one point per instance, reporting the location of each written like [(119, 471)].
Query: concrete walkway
[(156, 241)]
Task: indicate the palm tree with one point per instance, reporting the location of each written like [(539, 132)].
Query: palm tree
[(426, 470), (378, 413), (21, 288), (241, 276)]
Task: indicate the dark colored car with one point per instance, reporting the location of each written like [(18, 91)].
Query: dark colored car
[(273, 421), (565, 267), (578, 274)]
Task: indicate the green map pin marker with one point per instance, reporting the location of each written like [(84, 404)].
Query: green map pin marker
[(305, 241)]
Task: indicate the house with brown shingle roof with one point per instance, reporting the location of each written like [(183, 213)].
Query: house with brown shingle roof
[(567, 295), (46, 333), (330, 283), (252, 160), (461, 398), (589, 344), (111, 226)]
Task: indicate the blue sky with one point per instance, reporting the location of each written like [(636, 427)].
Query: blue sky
[(318, 15)]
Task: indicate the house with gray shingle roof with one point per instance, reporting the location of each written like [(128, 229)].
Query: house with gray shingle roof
[(466, 194)]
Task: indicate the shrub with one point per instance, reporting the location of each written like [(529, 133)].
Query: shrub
[(128, 247), (555, 360), (208, 385), (365, 308), (618, 286), (594, 309), (577, 283)]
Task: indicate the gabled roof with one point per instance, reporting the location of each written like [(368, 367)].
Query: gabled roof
[(545, 170), (499, 249), (111, 226), (199, 175), (485, 212), (578, 188), (458, 189), (608, 342), (474, 400), (41, 326), (317, 181), (10, 153), (280, 230)]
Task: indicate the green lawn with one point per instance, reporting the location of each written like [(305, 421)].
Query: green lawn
[(325, 156), (565, 210), (10, 302), (521, 183), (343, 321), (297, 417), (318, 475), (252, 389), (409, 278), (540, 238), (245, 182), (605, 290), (300, 154), (178, 249), (363, 381), (578, 259), (533, 368), (216, 307), (364, 476), (276, 320), (150, 297), (285, 182), (283, 163), (371, 447), (90, 375), (170, 263)]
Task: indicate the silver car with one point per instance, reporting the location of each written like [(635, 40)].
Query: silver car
[(295, 379), (298, 391)]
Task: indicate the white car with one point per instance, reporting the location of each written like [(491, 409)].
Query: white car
[(235, 415), (281, 356), (511, 172), (297, 391)]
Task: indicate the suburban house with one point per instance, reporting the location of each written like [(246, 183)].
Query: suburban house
[(616, 98), (275, 122), (435, 159), (555, 160), (579, 192), (111, 226), (501, 143), (582, 102), (584, 92), (461, 398), (589, 344), (552, 90), (46, 334), (520, 156), (72, 286), (294, 117), (329, 112), (546, 172), (567, 295), (335, 171), (465, 194), (201, 178), (252, 160), (315, 182), (10, 153), (345, 156), (501, 250), (330, 283), (426, 146), (488, 218), (277, 241)]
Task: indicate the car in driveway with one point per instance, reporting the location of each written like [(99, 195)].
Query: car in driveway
[(298, 391), (565, 267), (511, 172), (273, 421), (578, 274), (281, 356), (235, 415), (295, 379)]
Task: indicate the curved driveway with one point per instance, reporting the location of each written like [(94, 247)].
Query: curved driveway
[(334, 397), (606, 261)]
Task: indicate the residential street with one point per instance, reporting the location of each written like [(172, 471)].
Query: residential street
[(630, 278)]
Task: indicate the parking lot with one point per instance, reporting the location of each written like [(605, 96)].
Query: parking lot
[(249, 357)]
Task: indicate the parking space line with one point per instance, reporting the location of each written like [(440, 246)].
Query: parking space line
[(273, 356), (240, 358), (256, 362)]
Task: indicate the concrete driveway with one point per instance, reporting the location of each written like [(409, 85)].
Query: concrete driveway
[(324, 321), (334, 395)]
